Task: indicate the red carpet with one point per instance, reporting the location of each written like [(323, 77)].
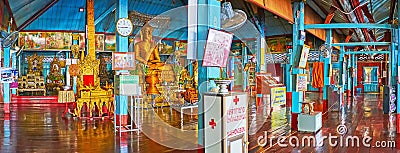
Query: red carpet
[(34, 99)]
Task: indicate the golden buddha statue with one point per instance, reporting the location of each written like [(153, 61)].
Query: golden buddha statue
[(147, 53), (146, 50)]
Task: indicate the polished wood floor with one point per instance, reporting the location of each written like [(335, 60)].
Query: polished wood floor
[(41, 128)]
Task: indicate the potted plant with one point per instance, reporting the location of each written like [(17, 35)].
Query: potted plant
[(223, 83)]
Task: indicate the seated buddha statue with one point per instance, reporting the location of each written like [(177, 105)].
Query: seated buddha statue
[(146, 51), (147, 54)]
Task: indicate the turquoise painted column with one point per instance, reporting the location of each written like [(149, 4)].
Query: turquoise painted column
[(327, 63), (121, 102), (355, 74), (245, 61), (288, 78), (353, 65), (341, 72), (398, 64), (208, 16), (14, 66), (6, 86), (294, 97), (349, 76)]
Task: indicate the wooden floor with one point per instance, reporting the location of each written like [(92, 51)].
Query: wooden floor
[(41, 128)]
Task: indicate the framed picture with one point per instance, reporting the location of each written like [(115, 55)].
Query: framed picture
[(99, 42), (235, 144), (110, 43), (304, 56), (217, 48), (301, 82), (123, 60)]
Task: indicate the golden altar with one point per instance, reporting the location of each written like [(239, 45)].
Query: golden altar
[(33, 81), (89, 90)]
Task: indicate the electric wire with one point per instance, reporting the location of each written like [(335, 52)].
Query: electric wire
[(347, 13)]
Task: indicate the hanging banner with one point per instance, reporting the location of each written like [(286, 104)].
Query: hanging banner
[(218, 46), (91, 29)]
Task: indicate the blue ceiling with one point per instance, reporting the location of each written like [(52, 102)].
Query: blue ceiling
[(64, 14)]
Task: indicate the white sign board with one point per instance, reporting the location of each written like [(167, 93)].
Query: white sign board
[(225, 120), (127, 85)]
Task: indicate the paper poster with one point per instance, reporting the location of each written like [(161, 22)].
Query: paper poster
[(301, 82), (8, 75), (302, 35), (304, 56), (217, 49), (278, 96), (123, 60)]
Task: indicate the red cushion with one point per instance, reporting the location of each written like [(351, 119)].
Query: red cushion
[(88, 80)]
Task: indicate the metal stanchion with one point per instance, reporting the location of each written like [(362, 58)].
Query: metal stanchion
[(134, 117)]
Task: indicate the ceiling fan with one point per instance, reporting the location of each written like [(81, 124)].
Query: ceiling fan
[(8, 39), (231, 19)]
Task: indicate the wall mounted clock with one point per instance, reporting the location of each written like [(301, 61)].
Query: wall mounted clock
[(124, 27)]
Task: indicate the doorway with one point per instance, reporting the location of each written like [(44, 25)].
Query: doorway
[(370, 79)]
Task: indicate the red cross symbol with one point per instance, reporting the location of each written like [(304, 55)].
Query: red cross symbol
[(212, 123), (236, 100)]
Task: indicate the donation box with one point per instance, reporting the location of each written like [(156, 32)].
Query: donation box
[(225, 122)]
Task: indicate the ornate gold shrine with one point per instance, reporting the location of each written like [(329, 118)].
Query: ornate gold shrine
[(35, 64), (89, 90), (55, 80), (33, 81)]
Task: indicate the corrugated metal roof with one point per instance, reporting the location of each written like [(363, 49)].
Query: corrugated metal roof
[(379, 9), (25, 9), (64, 15)]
